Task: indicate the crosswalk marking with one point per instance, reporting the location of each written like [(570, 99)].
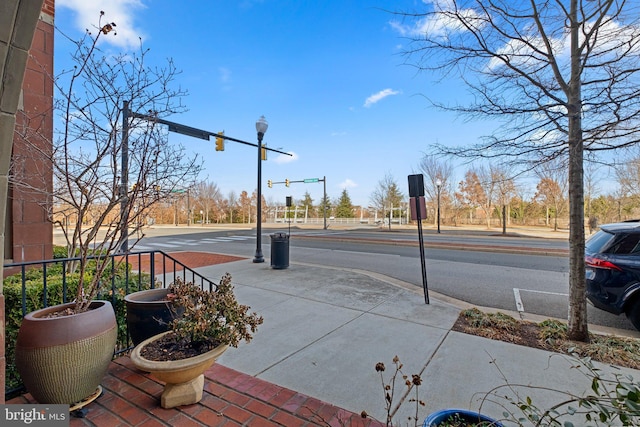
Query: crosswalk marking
[(177, 243)]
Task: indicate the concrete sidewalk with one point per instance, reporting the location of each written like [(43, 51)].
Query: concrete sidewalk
[(325, 329)]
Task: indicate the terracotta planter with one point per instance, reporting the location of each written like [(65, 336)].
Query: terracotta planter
[(440, 417), (184, 378), (148, 313), (62, 360)]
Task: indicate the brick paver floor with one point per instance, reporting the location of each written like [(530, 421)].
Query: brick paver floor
[(132, 398)]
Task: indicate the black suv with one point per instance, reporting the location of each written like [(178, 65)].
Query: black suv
[(612, 261)]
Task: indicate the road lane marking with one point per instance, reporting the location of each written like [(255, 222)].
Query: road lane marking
[(518, 298), (519, 305)]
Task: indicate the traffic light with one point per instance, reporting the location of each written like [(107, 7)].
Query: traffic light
[(286, 182), (269, 183), (220, 141), (263, 150)]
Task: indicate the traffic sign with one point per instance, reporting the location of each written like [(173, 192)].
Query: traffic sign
[(309, 180)]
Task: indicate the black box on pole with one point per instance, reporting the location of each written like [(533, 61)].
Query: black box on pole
[(416, 185)]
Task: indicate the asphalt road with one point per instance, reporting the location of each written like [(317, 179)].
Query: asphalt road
[(513, 273)]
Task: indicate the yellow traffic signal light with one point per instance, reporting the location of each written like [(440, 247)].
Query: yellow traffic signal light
[(220, 141), (286, 182), (269, 183), (263, 150)]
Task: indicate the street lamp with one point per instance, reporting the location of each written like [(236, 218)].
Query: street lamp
[(261, 127), (438, 184)]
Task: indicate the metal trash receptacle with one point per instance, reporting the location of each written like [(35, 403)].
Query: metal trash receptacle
[(279, 250)]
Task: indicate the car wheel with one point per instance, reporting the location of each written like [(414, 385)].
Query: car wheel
[(633, 313)]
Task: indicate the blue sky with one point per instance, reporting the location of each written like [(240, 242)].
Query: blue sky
[(327, 75)]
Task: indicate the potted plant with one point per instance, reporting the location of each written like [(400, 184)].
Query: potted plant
[(150, 311), (210, 322), (459, 418)]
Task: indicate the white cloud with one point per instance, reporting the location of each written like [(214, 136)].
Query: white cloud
[(120, 12), (376, 97), (225, 74), (443, 19), (347, 183), (282, 158)]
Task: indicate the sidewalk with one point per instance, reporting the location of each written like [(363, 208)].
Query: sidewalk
[(314, 357), (325, 329)]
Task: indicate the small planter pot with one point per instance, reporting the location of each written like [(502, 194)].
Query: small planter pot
[(63, 359), (439, 418), (184, 378), (148, 313)]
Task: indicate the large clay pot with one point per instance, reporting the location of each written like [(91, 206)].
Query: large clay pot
[(184, 378), (148, 313), (63, 359)]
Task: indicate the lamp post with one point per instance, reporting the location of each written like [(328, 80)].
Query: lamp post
[(261, 128), (438, 184)]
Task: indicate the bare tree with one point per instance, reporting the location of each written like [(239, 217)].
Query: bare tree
[(505, 190), (438, 173), (93, 209), (552, 188), (386, 195), (207, 195), (479, 189), (628, 176), (560, 76), (232, 205)]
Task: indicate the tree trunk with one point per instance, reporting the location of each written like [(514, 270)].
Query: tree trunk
[(577, 328)]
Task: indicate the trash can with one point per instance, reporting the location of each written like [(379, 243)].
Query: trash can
[(279, 250)]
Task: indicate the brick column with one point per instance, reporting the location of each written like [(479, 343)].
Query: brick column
[(18, 20)]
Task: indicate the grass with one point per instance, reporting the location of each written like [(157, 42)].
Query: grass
[(549, 335)]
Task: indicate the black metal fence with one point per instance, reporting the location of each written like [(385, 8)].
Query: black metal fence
[(127, 273)]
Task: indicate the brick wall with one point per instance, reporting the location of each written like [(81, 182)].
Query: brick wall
[(31, 231)]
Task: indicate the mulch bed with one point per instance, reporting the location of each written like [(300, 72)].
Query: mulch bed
[(190, 259)]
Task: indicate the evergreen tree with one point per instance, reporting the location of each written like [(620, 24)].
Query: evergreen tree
[(307, 203), (344, 208)]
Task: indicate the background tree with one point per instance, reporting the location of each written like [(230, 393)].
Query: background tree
[(344, 208), (244, 202), (437, 170), (232, 205), (97, 214), (628, 176), (477, 190), (325, 207), (207, 195), (307, 204), (552, 188), (386, 196), (505, 190), (559, 77)]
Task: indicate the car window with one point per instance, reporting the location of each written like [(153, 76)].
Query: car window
[(628, 244), (598, 241)]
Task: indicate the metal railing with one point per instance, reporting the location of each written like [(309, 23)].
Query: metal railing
[(149, 269), (178, 270)]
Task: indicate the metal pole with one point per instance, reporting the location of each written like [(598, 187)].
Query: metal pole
[(324, 202), (422, 260), (438, 209), (124, 180), (258, 257)]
